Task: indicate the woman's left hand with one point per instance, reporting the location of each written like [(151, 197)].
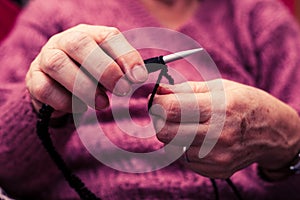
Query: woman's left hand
[(257, 127)]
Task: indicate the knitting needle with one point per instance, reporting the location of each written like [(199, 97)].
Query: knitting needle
[(168, 58)]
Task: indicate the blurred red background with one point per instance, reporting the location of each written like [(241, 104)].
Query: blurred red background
[(9, 10), (8, 13), (290, 4)]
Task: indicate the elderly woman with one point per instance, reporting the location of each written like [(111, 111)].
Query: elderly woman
[(50, 59)]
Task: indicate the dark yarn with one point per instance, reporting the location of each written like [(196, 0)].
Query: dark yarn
[(43, 133), (215, 187), (234, 189), (74, 181), (163, 73)]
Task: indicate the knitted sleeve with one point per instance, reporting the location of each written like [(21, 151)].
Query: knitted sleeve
[(276, 37), (21, 155)]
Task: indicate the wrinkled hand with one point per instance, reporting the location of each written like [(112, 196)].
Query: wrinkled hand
[(52, 75), (252, 130)]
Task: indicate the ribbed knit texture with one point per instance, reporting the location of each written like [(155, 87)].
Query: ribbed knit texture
[(255, 42)]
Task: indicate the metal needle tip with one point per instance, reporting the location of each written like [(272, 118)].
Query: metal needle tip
[(180, 55)]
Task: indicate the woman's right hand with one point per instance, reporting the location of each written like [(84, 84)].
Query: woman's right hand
[(113, 66)]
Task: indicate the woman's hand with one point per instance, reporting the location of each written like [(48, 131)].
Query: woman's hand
[(113, 66), (257, 128)]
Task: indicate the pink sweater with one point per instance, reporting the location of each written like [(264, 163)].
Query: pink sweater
[(255, 42)]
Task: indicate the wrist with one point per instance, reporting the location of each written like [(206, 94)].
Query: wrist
[(276, 132)]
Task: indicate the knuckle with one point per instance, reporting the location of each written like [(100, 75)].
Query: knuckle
[(42, 91), (108, 33), (53, 39), (64, 104), (74, 41), (80, 26), (172, 109), (54, 61), (113, 31), (222, 161)]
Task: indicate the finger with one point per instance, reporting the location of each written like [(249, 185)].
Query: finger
[(46, 90), (232, 160), (211, 171), (113, 42), (183, 107), (181, 134), (185, 87), (221, 168), (126, 56), (60, 67), (192, 87), (82, 48), (192, 153)]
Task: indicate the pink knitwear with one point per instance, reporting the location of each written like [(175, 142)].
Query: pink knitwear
[(254, 42)]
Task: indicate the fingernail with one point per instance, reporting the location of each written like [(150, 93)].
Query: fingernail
[(101, 102), (139, 73), (122, 87)]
